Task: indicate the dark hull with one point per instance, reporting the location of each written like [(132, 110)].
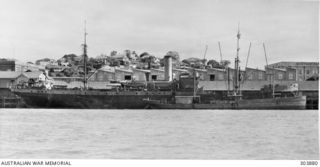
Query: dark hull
[(87, 99), (296, 103)]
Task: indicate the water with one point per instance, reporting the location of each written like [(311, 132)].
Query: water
[(155, 134)]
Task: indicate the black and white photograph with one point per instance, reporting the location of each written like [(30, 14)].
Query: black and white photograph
[(159, 80)]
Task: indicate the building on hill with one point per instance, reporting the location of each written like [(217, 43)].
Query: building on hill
[(119, 60), (54, 68), (26, 76), (7, 65), (23, 67), (304, 70)]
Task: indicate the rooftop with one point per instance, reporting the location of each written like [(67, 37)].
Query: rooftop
[(292, 63), (33, 74), (9, 74)]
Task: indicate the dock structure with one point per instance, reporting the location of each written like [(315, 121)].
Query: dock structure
[(10, 102)]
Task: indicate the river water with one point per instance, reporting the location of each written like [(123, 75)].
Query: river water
[(159, 134)]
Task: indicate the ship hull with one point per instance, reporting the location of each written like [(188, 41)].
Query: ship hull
[(77, 99), (297, 103)]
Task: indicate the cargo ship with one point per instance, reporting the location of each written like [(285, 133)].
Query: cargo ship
[(234, 98), (121, 96)]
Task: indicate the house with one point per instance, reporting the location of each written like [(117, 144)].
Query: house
[(119, 59), (27, 76), (54, 68), (23, 67), (7, 65)]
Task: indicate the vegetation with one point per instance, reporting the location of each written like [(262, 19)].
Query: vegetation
[(73, 64)]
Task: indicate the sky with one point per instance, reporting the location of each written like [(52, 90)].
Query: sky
[(35, 29)]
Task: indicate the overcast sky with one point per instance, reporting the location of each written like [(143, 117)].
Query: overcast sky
[(35, 29)]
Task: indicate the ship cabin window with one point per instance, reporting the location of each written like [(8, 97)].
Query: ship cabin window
[(154, 77), (127, 77), (290, 76), (212, 77), (280, 76)]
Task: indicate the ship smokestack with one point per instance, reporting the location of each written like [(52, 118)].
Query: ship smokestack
[(168, 68)]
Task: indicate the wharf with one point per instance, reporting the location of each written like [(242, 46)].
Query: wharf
[(9, 102)]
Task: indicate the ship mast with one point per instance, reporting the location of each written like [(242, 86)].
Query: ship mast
[(236, 68), (85, 57), (205, 52), (220, 52)]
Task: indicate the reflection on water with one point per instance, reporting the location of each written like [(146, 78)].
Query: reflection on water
[(159, 134)]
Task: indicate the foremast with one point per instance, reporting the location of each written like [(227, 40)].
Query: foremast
[(85, 56)]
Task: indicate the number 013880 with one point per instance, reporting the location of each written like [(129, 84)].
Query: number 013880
[(315, 163)]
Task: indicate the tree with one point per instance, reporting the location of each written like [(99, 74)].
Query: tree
[(175, 55), (213, 64), (68, 72), (113, 53), (225, 63), (144, 54), (145, 57), (69, 57), (45, 59), (128, 54)]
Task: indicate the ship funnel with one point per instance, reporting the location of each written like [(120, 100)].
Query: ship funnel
[(168, 68)]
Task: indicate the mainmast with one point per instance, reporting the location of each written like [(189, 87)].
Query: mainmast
[(236, 68), (85, 57)]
